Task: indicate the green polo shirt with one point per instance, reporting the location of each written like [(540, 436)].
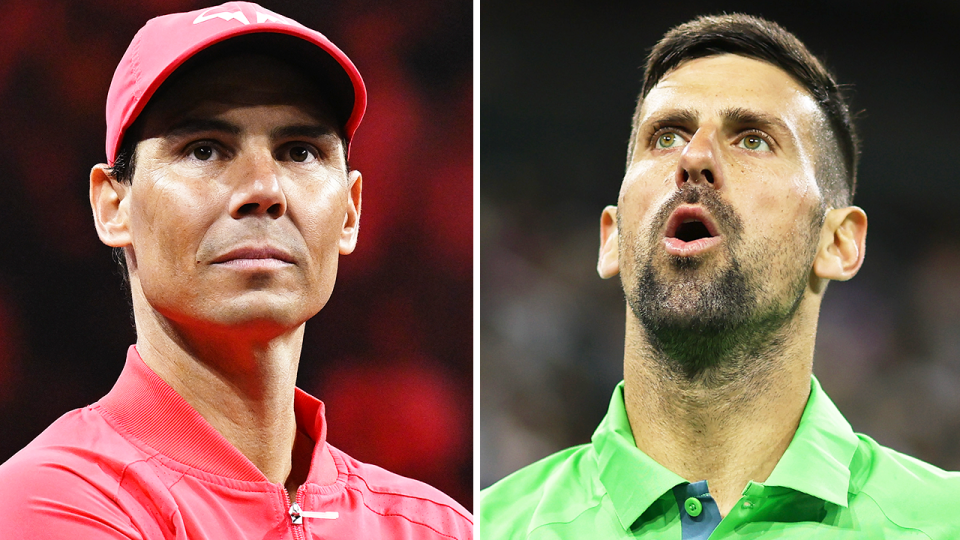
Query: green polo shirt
[(830, 483)]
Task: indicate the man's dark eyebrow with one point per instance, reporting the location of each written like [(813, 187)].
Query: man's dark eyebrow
[(745, 117), (303, 131), (189, 126), (678, 117)]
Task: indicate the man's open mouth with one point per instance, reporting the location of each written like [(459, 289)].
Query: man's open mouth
[(690, 223), (690, 231)]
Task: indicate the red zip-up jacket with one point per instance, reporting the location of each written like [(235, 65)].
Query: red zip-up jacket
[(141, 463)]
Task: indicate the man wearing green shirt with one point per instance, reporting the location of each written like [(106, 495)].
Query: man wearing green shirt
[(734, 214)]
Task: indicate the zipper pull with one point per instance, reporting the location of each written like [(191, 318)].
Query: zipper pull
[(297, 514)]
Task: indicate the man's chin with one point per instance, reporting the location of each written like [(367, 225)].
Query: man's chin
[(704, 266), (693, 315), (711, 331), (691, 291)]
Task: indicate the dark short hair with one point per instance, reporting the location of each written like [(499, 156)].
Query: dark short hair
[(753, 37), (126, 160)]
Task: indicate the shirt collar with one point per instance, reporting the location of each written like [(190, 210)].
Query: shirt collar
[(144, 406), (824, 442), (632, 479)]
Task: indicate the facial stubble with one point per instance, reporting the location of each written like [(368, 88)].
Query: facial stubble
[(714, 318)]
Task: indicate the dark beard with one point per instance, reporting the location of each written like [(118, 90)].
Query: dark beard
[(712, 329)]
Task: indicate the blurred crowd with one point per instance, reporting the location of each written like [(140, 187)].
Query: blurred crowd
[(390, 355)]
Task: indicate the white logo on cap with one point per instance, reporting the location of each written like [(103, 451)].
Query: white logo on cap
[(239, 16), (261, 17)]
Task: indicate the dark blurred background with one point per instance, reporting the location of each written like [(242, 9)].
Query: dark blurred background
[(559, 83), (391, 353)]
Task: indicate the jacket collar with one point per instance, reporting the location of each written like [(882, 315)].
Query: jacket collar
[(145, 407)]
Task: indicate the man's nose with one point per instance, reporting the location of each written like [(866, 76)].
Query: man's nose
[(257, 189), (700, 160)]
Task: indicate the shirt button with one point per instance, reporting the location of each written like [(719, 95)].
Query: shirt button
[(693, 506)]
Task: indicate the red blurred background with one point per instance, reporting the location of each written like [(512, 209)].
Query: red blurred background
[(390, 355)]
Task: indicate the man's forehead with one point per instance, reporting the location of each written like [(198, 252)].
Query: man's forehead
[(717, 83), (245, 80)]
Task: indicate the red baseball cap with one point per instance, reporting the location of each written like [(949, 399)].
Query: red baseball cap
[(165, 43)]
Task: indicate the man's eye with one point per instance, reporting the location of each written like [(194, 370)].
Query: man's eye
[(301, 154), (754, 142), (203, 153), (670, 140)]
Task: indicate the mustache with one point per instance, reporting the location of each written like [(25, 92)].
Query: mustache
[(722, 212)]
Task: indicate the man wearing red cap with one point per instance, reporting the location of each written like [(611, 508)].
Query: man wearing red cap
[(228, 192)]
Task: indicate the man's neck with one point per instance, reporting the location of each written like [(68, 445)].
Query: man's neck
[(241, 383), (728, 431)]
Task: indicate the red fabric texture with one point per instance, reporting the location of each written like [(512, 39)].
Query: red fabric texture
[(141, 463)]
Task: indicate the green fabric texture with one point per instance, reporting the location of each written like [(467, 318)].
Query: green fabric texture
[(830, 483)]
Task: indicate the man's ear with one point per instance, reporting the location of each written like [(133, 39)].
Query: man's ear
[(351, 220), (608, 264), (842, 244), (108, 199)]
